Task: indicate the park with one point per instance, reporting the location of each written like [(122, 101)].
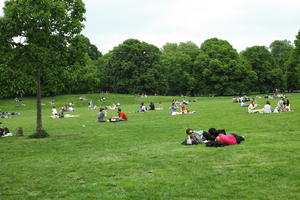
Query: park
[(143, 158), (55, 83)]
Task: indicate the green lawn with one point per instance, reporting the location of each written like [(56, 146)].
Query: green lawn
[(143, 158)]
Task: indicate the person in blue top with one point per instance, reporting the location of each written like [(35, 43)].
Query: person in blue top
[(101, 116)]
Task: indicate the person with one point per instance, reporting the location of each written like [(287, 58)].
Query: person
[(54, 113), (174, 109), (151, 106), (90, 105), (194, 137), (101, 115), (121, 116), (267, 107), (280, 105), (287, 105), (221, 139), (142, 108), (252, 107), (6, 132), (183, 109), (229, 139), (61, 115)]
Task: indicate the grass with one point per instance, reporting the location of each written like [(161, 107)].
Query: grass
[(143, 159)]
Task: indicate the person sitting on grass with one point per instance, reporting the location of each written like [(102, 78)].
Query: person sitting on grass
[(286, 105), (267, 107), (101, 115), (54, 113), (174, 109), (252, 107), (142, 108), (121, 116), (183, 109), (151, 106)]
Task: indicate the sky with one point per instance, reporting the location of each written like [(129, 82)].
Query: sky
[(243, 23)]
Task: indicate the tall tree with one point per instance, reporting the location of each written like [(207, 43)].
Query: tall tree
[(293, 66), (178, 62), (39, 32), (133, 67), (269, 75), (219, 69), (281, 50)]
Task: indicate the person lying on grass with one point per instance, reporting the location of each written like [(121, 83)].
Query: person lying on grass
[(219, 139), (194, 137), (212, 138), (4, 132)]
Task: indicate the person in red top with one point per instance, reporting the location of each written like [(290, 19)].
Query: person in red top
[(122, 115)]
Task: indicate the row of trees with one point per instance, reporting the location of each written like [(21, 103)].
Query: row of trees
[(214, 68), (134, 66)]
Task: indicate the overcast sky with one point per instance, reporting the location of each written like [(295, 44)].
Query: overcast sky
[(243, 23)]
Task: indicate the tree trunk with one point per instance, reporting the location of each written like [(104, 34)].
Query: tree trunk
[(38, 105)]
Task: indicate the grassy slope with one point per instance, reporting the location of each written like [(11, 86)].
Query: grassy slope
[(143, 158)]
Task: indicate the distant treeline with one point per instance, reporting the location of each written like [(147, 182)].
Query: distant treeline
[(214, 68)]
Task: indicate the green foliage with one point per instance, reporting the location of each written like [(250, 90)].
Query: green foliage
[(293, 67), (281, 50), (269, 75), (44, 29), (133, 67), (178, 63), (219, 69)]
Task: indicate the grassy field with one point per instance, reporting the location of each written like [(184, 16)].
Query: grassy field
[(143, 158)]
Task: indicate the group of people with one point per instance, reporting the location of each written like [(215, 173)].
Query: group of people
[(69, 108), (212, 138), (102, 114), (144, 108), (182, 106), (240, 99), (5, 115), (283, 105)]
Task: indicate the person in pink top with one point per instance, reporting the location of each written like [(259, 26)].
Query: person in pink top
[(226, 139), (221, 139)]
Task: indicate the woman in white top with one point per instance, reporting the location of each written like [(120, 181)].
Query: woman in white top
[(252, 107), (267, 107)]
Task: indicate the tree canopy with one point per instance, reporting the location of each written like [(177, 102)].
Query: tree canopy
[(38, 34)]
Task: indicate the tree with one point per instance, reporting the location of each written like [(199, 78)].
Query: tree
[(293, 66), (133, 67), (219, 70), (269, 75), (177, 60), (281, 50), (39, 33)]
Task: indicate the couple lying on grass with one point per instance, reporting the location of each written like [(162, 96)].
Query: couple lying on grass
[(121, 116), (212, 138)]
